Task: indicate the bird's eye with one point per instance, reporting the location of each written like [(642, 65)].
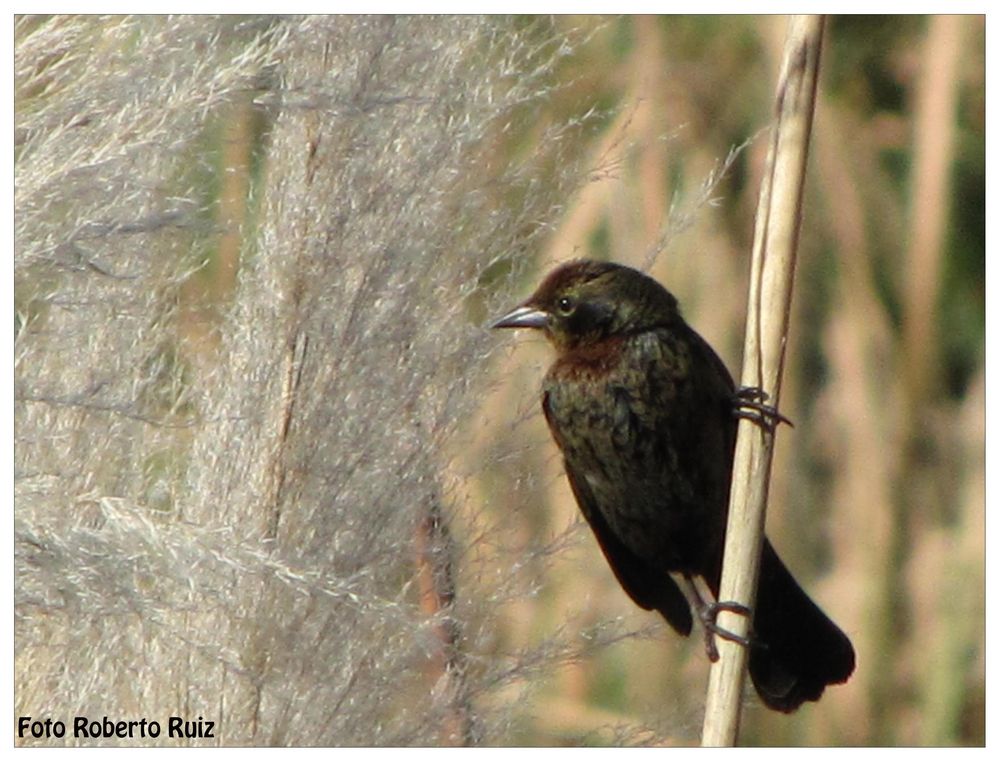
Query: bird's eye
[(565, 305)]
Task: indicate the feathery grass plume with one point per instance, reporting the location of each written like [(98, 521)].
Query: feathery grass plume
[(219, 520)]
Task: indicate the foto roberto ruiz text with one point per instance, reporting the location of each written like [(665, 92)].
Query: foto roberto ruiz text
[(105, 727)]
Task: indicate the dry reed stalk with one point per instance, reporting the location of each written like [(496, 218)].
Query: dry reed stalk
[(772, 268)]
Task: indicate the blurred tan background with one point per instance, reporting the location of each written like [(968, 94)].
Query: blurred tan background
[(877, 497)]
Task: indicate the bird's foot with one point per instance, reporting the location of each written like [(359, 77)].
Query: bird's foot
[(708, 613), (749, 403)]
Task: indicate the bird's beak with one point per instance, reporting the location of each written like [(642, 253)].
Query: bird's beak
[(524, 316)]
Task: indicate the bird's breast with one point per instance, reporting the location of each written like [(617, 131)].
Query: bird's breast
[(624, 428), (610, 410), (647, 427)]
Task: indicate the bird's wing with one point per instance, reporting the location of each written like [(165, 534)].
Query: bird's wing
[(649, 587)]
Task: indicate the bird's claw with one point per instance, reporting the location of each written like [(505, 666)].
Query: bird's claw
[(708, 614), (749, 403)]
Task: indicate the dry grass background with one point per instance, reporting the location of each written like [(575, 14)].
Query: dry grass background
[(271, 469)]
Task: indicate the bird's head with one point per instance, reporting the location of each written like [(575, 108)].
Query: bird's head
[(584, 302)]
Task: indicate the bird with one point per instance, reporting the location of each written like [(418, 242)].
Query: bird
[(645, 414)]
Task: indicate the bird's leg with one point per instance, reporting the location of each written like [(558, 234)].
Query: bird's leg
[(749, 403), (707, 613)]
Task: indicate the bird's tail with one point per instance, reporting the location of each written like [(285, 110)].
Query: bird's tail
[(797, 650)]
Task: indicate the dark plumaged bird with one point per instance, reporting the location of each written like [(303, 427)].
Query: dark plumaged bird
[(645, 414)]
